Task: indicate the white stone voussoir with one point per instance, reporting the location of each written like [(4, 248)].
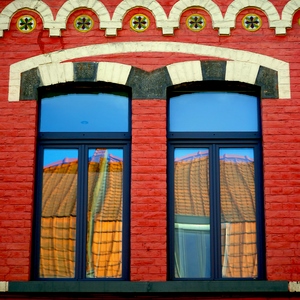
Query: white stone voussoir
[(58, 57)]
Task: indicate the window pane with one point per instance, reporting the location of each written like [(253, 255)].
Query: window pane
[(58, 220), (104, 219), (238, 213), (84, 113), (192, 215), (205, 111)]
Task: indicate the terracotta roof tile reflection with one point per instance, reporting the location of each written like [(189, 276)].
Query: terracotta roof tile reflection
[(237, 197), (104, 228)]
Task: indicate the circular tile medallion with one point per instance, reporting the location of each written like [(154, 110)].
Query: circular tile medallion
[(195, 22), (26, 23), (139, 22), (252, 22), (83, 23)]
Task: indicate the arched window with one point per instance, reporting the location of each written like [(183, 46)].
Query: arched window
[(215, 183), (82, 195)]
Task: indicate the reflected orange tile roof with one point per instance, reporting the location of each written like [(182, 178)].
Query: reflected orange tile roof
[(236, 187)]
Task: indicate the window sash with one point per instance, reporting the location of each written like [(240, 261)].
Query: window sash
[(81, 226), (215, 223)]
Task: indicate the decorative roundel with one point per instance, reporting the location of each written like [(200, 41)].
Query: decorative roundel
[(26, 23), (83, 23), (252, 22), (139, 22), (195, 22)]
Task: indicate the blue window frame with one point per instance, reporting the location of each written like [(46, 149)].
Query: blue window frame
[(215, 184), (82, 194)]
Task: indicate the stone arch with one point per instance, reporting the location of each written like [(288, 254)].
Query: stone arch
[(39, 6), (253, 67), (288, 12), (68, 7), (251, 73), (178, 8), (55, 73), (238, 5), (126, 5)]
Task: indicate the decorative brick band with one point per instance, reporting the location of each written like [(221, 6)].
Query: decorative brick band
[(43, 70), (168, 24)]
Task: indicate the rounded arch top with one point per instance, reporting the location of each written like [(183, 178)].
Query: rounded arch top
[(212, 8), (69, 6), (39, 6), (238, 5), (126, 5), (288, 12)]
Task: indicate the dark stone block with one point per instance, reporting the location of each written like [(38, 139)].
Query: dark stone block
[(267, 79), (147, 85), (30, 81), (213, 70), (85, 71)]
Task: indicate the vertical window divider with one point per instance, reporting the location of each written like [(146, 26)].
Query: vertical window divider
[(38, 213), (126, 209), (260, 237), (216, 212), (79, 211)]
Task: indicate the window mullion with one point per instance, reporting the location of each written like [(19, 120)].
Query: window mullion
[(260, 229), (39, 192), (215, 211), (81, 215)]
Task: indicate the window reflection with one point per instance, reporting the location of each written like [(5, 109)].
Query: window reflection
[(238, 217), (192, 213), (104, 220), (237, 211), (58, 221), (104, 213), (97, 113), (186, 110)]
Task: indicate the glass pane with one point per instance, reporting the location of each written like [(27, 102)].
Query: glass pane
[(205, 111), (104, 219), (238, 213), (192, 215), (58, 220), (84, 113)]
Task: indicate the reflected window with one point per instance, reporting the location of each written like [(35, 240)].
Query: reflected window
[(82, 190), (100, 112), (215, 197)]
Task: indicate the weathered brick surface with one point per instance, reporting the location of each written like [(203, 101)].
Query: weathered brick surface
[(148, 190), (281, 137)]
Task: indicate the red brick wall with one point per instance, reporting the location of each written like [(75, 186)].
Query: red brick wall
[(281, 137), (17, 152), (148, 191)]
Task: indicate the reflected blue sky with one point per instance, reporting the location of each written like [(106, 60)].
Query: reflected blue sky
[(57, 155), (213, 111), (249, 152), (84, 113), (180, 153)]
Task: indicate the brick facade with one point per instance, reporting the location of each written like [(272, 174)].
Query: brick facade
[(165, 54)]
